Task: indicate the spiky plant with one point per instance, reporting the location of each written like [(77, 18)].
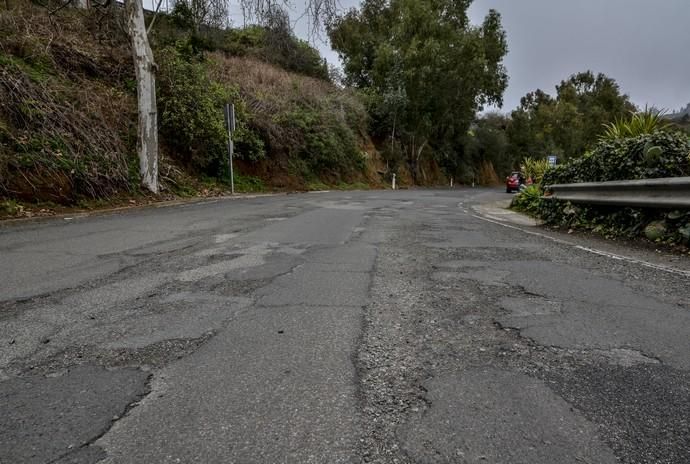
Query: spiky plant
[(528, 200), (645, 122), (534, 168)]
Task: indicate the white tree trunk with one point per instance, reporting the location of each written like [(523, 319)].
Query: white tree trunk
[(145, 69), (80, 3)]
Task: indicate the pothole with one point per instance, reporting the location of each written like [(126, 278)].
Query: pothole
[(625, 357), (155, 355), (44, 419)]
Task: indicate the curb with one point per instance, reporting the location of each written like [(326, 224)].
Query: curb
[(155, 204), (500, 211)]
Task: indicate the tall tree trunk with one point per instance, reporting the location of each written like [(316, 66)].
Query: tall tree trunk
[(414, 158), (420, 150), (145, 69)]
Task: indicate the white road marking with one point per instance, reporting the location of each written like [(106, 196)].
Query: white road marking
[(658, 267)]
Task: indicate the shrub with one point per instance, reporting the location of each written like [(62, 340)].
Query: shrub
[(10, 208), (661, 154), (248, 184), (613, 221), (244, 41), (278, 46), (192, 124), (326, 144), (311, 127), (529, 200)]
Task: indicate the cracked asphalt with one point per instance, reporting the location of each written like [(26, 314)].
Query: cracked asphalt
[(420, 326)]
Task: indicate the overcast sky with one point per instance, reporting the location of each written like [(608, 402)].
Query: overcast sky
[(643, 44)]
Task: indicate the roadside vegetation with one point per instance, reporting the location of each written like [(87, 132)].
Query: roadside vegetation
[(643, 146), (565, 125), (68, 111), (417, 77), (424, 72), (71, 130)]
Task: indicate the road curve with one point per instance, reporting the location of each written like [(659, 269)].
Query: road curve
[(420, 326)]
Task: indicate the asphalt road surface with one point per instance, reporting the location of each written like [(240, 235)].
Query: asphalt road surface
[(387, 327)]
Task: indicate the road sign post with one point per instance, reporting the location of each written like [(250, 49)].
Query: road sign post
[(230, 124)]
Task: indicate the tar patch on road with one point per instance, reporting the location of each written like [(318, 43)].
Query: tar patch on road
[(73, 409), (450, 372), (527, 423), (647, 404)]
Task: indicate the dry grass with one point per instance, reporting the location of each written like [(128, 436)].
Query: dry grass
[(269, 92), (487, 174), (68, 108), (270, 83), (65, 117)]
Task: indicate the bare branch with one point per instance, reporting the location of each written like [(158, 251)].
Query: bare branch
[(318, 12), (155, 15), (211, 13), (59, 7)]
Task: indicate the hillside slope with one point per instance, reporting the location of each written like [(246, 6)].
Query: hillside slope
[(68, 114)]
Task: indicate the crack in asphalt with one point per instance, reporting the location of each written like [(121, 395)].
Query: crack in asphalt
[(425, 331), (433, 332), (91, 441)]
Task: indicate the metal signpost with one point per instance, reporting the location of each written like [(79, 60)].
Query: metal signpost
[(230, 124)]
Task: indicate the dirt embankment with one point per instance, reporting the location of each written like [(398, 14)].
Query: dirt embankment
[(68, 118)]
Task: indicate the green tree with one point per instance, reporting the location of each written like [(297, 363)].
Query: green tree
[(571, 123), (530, 128), (426, 70), (487, 142)]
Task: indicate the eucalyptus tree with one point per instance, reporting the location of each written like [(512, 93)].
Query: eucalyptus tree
[(571, 122), (211, 13), (427, 51), (145, 69)]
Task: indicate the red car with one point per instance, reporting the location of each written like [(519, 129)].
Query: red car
[(513, 182)]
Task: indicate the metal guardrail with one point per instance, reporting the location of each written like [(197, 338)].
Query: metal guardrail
[(668, 192)]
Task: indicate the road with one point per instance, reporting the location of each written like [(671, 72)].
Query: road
[(411, 326)]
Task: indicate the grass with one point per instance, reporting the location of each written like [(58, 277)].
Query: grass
[(10, 208), (352, 186), (37, 69), (317, 186), (249, 184)]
